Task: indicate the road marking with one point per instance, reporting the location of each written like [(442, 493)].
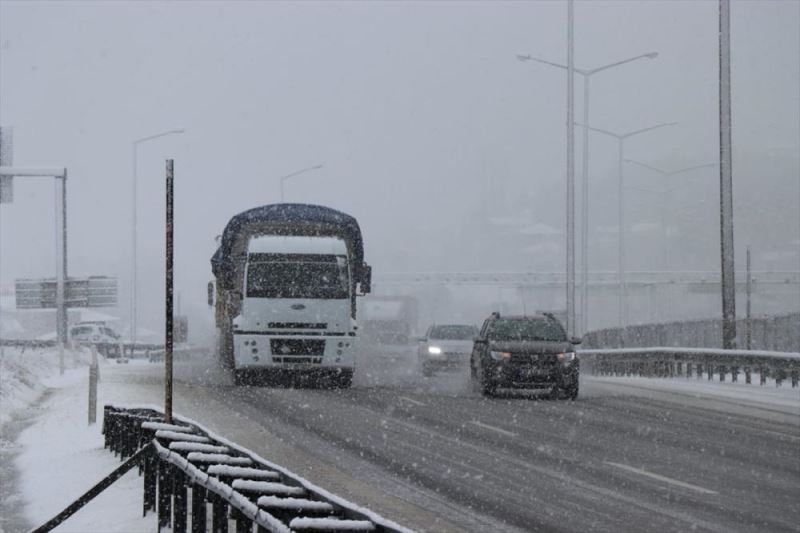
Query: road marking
[(415, 402), (662, 478), (492, 428)]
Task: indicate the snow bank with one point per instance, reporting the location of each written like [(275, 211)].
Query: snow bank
[(25, 374)]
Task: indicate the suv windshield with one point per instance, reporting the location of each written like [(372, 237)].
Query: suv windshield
[(453, 333), (528, 329), (323, 277)]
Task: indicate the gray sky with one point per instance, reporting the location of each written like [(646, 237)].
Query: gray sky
[(420, 113)]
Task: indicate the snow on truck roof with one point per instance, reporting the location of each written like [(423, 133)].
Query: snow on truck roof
[(285, 220), (271, 244)]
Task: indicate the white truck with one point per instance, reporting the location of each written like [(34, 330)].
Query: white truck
[(287, 277)]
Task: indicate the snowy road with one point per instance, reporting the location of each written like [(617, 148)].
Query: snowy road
[(624, 457)]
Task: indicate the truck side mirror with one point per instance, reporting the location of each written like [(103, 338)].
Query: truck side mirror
[(210, 293), (575, 340), (366, 278)]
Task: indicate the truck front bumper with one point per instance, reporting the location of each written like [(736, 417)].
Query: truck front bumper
[(293, 352)]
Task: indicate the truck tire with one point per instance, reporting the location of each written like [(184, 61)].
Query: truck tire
[(226, 359), (344, 380)]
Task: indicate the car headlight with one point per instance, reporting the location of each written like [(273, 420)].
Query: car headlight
[(566, 357), (434, 350), (500, 356)]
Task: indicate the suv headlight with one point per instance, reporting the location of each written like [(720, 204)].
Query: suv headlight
[(500, 356), (566, 357), (434, 350)]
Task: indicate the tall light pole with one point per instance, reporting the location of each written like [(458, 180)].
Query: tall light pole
[(587, 74), (622, 297), (297, 173), (728, 278), (136, 144)]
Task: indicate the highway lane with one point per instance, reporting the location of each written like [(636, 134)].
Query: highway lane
[(614, 460)]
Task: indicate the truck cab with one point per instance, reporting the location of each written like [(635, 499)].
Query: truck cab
[(295, 310), (287, 277)]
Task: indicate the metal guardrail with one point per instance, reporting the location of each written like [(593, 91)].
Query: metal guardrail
[(189, 472), (688, 362), (151, 351)]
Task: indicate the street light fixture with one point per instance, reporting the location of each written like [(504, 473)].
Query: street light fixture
[(621, 137), (587, 74), (665, 193), (297, 173), (136, 144)]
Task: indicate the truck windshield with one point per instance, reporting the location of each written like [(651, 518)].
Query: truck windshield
[(323, 277)]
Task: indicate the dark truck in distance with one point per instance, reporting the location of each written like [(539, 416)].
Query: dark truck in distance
[(525, 352)]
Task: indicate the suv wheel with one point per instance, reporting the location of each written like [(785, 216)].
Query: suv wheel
[(479, 382)]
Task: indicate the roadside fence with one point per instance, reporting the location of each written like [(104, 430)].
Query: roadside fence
[(193, 479)]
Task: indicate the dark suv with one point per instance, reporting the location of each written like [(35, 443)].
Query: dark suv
[(525, 352)]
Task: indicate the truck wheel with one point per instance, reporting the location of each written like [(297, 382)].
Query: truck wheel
[(240, 378), (344, 380)]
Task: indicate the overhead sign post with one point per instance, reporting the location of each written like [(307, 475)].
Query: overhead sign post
[(57, 173)]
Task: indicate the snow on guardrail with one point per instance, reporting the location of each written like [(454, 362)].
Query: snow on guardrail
[(664, 361)]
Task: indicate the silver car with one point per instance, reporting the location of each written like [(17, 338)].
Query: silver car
[(445, 347)]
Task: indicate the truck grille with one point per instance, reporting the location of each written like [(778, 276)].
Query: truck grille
[(286, 348)]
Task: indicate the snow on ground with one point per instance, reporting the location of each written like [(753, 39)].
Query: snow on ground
[(768, 394), (22, 373), (59, 455)]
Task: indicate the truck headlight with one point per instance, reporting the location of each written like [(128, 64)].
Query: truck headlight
[(434, 350), (500, 356), (566, 357)]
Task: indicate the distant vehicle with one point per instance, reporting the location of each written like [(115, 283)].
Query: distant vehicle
[(387, 325), (287, 277), (445, 347), (104, 338), (525, 352)]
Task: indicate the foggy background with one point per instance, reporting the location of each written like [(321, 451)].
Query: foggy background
[(431, 132)]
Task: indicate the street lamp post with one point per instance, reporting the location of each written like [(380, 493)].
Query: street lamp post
[(621, 137), (136, 144), (297, 173), (587, 74)]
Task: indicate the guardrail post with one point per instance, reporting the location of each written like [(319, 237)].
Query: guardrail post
[(164, 496), (747, 375), (795, 378), (722, 371), (149, 503), (243, 524), (180, 501), (763, 375), (688, 370), (199, 510), (93, 388), (734, 374), (219, 519)]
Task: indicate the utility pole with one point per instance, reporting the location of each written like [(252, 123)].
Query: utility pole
[(726, 180), (168, 298), (571, 326), (748, 323)]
